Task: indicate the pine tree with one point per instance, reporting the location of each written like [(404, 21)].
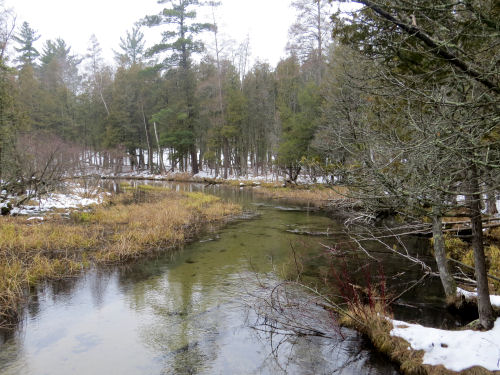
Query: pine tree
[(175, 49), (26, 39), (132, 48)]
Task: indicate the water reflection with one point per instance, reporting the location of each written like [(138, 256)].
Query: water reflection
[(186, 314)]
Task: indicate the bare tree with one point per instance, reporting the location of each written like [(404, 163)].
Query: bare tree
[(446, 77)]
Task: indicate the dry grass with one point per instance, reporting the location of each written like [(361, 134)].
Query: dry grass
[(492, 253), (131, 225), (494, 234), (19, 236), (455, 247), (462, 251), (318, 195)]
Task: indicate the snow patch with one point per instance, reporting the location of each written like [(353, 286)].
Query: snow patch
[(40, 218), (495, 300), (455, 350), (78, 198), (247, 177)]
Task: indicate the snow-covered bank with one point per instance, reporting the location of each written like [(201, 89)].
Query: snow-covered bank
[(455, 350), (197, 177), (75, 197), (495, 300), (56, 201), (210, 174)]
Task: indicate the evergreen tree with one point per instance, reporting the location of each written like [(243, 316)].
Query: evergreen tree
[(263, 132), (177, 45), (299, 110), (60, 82), (132, 48), (26, 39)]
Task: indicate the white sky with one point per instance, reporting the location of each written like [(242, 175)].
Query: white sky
[(265, 21)]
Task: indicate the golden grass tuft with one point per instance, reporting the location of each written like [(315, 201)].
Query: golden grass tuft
[(455, 247), (141, 221), (492, 253), (494, 234), (372, 323), (18, 235)]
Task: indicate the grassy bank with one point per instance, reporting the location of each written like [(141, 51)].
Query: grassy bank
[(371, 321), (141, 221), (317, 195)]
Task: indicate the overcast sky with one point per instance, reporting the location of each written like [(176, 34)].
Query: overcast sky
[(265, 21)]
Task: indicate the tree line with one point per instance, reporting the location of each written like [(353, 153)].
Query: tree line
[(174, 106)]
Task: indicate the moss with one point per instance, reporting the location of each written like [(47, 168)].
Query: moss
[(455, 247), (492, 253)]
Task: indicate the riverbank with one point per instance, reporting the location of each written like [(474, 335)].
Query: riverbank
[(150, 194), (315, 194), (127, 226), (419, 350)]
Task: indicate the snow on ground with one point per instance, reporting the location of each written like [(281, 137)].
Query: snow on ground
[(495, 300), (34, 218), (266, 177), (455, 350), (77, 197), (248, 177), (201, 175), (56, 201)]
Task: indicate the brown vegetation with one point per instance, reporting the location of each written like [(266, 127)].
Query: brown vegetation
[(461, 251), (318, 195), (130, 225)]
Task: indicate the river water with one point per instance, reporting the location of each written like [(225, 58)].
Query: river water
[(191, 312)]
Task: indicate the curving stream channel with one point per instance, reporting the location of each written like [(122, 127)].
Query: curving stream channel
[(189, 313)]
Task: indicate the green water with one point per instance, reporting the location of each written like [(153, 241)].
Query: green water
[(190, 313)]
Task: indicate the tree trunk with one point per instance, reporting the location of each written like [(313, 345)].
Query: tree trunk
[(160, 151), (486, 318), (491, 201), (450, 288), (194, 160), (150, 148), (133, 159), (141, 159), (227, 158)]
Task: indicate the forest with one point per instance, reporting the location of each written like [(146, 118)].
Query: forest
[(395, 103), (174, 106), (352, 97)]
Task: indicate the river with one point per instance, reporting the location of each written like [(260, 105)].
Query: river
[(191, 312)]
